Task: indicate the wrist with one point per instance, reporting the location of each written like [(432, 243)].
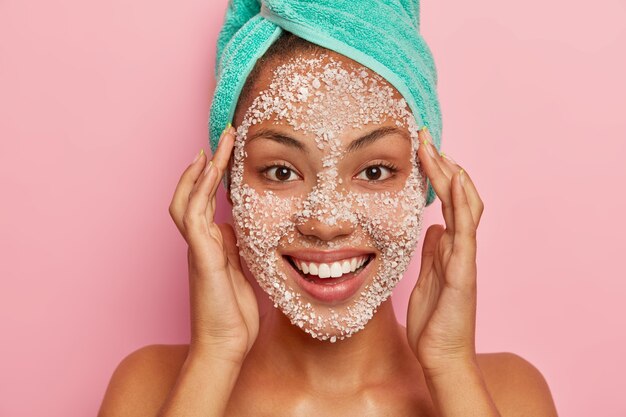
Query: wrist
[(214, 353), (459, 389), (451, 367)]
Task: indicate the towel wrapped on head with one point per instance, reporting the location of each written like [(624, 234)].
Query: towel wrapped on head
[(382, 35)]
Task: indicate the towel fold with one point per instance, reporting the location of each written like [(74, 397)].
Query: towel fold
[(382, 35)]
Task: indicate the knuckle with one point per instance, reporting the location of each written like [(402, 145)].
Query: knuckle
[(188, 220), (193, 192), (173, 211)]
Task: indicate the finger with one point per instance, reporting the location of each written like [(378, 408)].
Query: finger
[(178, 205), (464, 244), (230, 245), (223, 153), (220, 162), (440, 182), (446, 167), (202, 192), (476, 204), (438, 157), (426, 291), (432, 237)]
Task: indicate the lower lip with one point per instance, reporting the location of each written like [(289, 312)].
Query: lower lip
[(332, 292)]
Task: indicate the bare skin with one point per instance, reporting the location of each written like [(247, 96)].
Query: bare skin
[(240, 364), (144, 379)]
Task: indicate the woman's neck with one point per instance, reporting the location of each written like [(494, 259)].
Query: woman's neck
[(370, 356)]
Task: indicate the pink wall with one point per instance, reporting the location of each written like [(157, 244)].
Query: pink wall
[(102, 105)]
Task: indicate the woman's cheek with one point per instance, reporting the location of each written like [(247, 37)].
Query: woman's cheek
[(393, 222), (263, 218)]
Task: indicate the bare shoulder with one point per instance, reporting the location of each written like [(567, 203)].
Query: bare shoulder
[(142, 381), (517, 387)]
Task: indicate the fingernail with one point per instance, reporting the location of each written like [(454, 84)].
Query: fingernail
[(462, 177), (428, 148), (443, 155), (208, 167), (228, 126), (198, 156), (427, 141)]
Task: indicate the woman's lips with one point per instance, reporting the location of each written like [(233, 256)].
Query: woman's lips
[(331, 290)]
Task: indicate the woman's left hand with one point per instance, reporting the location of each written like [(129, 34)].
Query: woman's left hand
[(441, 317)]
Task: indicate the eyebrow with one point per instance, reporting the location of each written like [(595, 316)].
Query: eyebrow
[(374, 135), (356, 144), (278, 137)]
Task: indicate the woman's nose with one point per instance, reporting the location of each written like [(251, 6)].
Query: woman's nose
[(325, 231)]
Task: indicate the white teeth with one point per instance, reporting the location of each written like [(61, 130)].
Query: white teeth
[(333, 270), (324, 271)]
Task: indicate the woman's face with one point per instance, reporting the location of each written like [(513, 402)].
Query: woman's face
[(327, 191)]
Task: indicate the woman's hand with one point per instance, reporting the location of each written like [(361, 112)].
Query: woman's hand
[(441, 317), (224, 310)]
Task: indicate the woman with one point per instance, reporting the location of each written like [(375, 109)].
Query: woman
[(327, 176)]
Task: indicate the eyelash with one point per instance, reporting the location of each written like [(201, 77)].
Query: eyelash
[(392, 168), (265, 168)]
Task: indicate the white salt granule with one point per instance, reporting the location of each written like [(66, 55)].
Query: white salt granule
[(388, 222)]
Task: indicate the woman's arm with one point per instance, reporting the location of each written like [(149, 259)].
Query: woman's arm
[(460, 391), (169, 380), (441, 316), (499, 384), (224, 312), (442, 308), (203, 387)]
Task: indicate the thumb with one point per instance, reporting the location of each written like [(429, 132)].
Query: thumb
[(433, 235), (230, 244), (425, 294)]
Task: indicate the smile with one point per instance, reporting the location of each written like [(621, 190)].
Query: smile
[(330, 277), (331, 270)]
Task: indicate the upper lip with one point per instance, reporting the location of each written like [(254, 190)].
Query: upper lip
[(327, 256)]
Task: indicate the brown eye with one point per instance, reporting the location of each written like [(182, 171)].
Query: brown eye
[(281, 173), (375, 172)]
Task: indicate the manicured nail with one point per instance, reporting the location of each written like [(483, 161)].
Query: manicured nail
[(228, 126), (428, 148), (198, 156), (462, 177), (443, 155), (208, 167), (428, 135)]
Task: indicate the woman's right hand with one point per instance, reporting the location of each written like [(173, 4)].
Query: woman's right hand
[(224, 310)]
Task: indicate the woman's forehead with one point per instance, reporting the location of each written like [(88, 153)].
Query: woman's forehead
[(324, 98)]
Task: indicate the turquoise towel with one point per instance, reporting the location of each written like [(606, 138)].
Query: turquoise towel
[(382, 35)]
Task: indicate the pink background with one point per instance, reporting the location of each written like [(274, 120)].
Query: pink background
[(103, 104)]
